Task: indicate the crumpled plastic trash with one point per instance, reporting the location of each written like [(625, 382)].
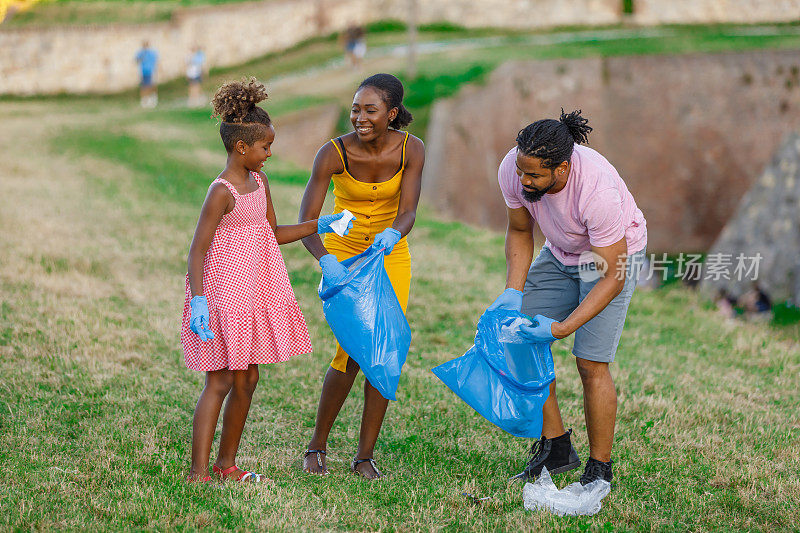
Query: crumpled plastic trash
[(340, 226), (574, 499)]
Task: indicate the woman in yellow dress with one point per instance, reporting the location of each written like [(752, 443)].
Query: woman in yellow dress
[(376, 172)]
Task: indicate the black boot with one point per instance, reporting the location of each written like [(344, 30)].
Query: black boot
[(556, 454), (596, 470)]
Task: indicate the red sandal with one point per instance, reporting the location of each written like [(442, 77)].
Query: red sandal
[(206, 479), (242, 476)]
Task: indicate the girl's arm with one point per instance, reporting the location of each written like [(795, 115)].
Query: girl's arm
[(410, 186), (286, 234), (218, 202), (325, 164)]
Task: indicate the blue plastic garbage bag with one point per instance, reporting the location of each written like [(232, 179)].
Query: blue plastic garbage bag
[(367, 320), (505, 379)]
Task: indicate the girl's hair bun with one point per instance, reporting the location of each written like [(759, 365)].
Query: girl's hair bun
[(236, 104), (236, 100)]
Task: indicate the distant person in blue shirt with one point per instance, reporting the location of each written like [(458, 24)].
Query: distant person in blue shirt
[(147, 58), (194, 75)]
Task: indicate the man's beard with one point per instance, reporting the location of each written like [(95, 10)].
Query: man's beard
[(536, 195)]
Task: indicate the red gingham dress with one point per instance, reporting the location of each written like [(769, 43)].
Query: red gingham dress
[(252, 309)]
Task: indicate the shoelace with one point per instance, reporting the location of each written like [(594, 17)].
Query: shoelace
[(535, 452), (594, 470), (536, 448)]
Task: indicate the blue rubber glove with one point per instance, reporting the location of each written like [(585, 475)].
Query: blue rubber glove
[(386, 240), (541, 330), (333, 271), (511, 299), (198, 322), (324, 223)]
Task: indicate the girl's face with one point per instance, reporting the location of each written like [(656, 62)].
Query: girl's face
[(370, 115), (257, 153)]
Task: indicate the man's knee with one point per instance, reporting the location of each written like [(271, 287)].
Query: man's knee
[(592, 370)]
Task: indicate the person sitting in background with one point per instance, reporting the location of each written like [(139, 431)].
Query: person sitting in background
[(725, 303), (147, 58), (756, 304)]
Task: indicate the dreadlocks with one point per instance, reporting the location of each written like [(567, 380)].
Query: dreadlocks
[(552, 140)]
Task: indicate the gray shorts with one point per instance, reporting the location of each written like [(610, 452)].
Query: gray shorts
[(555, 290)]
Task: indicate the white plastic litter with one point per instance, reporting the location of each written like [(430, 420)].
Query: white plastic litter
[(340, 226), (509, 332), (574, 499)]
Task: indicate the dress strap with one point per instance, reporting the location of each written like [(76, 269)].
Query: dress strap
[(230, 187), (258, 180), (403, 154), (342, 152)]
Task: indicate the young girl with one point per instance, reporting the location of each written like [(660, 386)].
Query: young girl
[(240, 310), (376, 172)]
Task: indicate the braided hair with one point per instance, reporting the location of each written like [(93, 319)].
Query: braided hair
[(391, 90), (551, 140), (241, 119)]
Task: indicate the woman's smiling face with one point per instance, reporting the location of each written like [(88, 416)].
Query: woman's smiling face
[(369, 114)]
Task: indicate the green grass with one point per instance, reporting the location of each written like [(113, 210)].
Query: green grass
[(96, 405), (95, 417), (169, 169)]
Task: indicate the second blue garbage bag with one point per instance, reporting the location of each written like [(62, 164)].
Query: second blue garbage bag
[(505, 379), (367, 320)]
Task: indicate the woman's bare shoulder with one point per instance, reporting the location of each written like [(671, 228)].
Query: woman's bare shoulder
[(414, 146), (328, 158)]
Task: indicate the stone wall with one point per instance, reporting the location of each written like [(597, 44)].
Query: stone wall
[(89, 59), (518, 14), (715, 11), (100, 58), (689, 134)]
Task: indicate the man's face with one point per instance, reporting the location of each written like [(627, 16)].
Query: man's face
[(535, 179)]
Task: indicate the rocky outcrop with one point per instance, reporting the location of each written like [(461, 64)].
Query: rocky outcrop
[(764, 233), (688, 134)]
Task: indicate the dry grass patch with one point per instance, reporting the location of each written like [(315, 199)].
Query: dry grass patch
[(96, 406)]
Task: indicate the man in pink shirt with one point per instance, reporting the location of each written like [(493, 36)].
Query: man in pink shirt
[(583, 279)]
